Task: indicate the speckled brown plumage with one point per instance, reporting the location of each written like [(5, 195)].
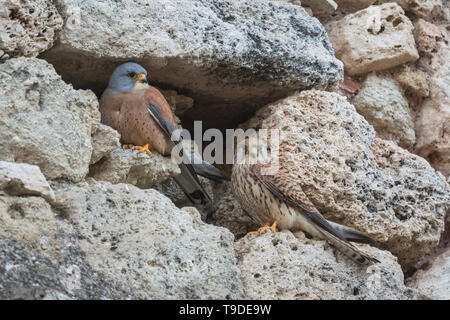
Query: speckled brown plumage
[(279, 197)]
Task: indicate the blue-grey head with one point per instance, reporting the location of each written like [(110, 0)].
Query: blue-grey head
[(128, 77)]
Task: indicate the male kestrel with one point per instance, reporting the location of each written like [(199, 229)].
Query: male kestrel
[(142, 116), (273, 197)]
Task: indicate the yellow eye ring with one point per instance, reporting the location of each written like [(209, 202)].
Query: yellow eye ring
[(132, 75)]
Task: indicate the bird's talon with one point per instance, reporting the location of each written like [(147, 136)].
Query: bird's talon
[(143, 148), (273, 227)]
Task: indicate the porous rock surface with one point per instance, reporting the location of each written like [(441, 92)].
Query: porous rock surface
[(27, 27), (382, 103), (105, 241), (65, 234), (420, 8), (354, 5), (432, 122), (435, 279), (142, 241), (282, 266), (373, 39), (133, 167), (20, 179), (45, 121), (104, 140)]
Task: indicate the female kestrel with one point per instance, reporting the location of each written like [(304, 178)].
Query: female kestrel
[(273, 197), (142, 116)]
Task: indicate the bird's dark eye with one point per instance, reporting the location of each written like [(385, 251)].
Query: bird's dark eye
[(132, 75)]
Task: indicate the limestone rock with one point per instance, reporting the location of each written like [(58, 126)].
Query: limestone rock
[(26, 274), (21, 179), (354, 5), (373, 39), (414, 81), (320, 6), (368, 184), (435, 280), (30, 221), (294, 2), (44, 121), (432, 122), (229, 56), (40, 256), (429, 37), (142, 241), (104, 241), (104, 140), (281, 266), (28, 27), (426, 9), (133, 167), (383, 104)]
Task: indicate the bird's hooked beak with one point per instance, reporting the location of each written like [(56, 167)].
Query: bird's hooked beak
[(142, 78)]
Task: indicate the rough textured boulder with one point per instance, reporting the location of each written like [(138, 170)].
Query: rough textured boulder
[(294, 2), (354, 5), (320, 6), (426, 9), (130, 166), (28, 275), (27, 27), (429, 38), (104, 140), (373, 39), (230, 56), (45, 121), (107, 241), (414, 81), (40, 256), (30, 221), (21, 179), (382, 103), (433, 118), (356, 179), (139, 239), (281, 266), (434, 280)]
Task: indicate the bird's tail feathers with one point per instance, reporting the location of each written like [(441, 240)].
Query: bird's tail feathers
[(207, 170), (191, 186), (349, 250), (351, 234)]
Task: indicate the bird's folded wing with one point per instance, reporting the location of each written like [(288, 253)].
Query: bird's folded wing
[(286, 188), (188, 179), (200, 166), (155, 111)]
